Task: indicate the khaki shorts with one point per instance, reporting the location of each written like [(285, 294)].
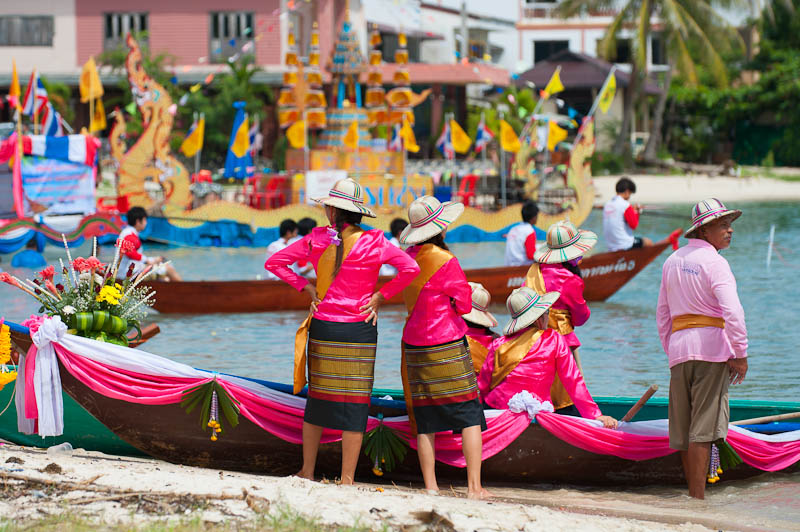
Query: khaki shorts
[(698, 403)]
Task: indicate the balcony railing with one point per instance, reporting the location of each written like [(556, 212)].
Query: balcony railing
[(546, 10)]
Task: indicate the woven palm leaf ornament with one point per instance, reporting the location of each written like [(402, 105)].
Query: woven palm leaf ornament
[(211, 397), (384, 448)]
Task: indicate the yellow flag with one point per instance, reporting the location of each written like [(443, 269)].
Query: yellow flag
[(14, 89), (555, 134), (459, 138), (98, 121), (351, 137), (89, 83), (607, 96), (194, 138), (554, 85), (297, 134), (241, 142), (407, 134), (508, 139)]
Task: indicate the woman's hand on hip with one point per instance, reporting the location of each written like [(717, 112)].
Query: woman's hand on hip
[(311, 290), (371, 308)]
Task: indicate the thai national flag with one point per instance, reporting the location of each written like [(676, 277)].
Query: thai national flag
[(256, 138), (29, 101), (42, 99), (445, 143), (483, 137), (396, 144), (51, 122)]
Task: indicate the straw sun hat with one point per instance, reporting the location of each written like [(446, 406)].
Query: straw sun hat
[(564, 242), (525, 306), (347, 195), (428, 217), (480, 314), (707, 211)]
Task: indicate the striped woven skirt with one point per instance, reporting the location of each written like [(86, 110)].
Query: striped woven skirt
[(341, 364), (444, 391)]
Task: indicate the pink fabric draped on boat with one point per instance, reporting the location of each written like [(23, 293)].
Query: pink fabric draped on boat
[(284, 418)]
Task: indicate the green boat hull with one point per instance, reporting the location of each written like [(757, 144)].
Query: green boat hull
[(82, 430)]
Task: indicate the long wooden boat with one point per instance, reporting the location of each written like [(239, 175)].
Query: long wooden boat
[(604, 274), (167, 432)]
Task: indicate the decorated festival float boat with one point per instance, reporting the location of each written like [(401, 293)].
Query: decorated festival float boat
[(195, 417), (603, 273)]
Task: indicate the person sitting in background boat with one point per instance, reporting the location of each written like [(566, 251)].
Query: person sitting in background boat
[(529, 355), (438, 378), (702, 329), (479, 325), (556, 270), (304, 227), (133, 258), (395, 227), (341, 327), (288, 234), (621, 218), (521, 239)]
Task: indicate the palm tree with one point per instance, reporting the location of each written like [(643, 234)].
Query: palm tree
[(693, 32)]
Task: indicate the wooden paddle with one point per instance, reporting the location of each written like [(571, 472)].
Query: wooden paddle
[(767, 419), (640, 403)]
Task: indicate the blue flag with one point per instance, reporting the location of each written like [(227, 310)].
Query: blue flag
[(235, 165)]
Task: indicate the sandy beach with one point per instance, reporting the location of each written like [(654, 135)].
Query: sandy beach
[(660, 189), (140, 492)]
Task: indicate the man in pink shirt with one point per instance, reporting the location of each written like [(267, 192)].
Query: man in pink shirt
[(701, 325)]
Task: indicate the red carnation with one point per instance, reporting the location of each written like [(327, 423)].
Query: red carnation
[(6, 278), (60, 287), (80, 265), (94, 263), (48, 273), (130, 270)]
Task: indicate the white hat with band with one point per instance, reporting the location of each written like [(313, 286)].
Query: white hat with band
[(427, 218), (707, 211), (347, 195), (564, 242), (525, 306), (480, 315)]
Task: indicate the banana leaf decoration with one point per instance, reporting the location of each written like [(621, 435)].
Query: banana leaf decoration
[(201, 395), (728, 457), (384, 448)]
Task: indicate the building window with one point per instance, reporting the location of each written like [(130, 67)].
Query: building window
[(16, 30), (118, 25), (544, 49), (230, 30), (659, 54), (390, 44), (623, 53)]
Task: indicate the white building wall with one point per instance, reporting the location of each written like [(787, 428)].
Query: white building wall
[(60, 58)]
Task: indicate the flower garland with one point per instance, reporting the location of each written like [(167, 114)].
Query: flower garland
[(6, 375)]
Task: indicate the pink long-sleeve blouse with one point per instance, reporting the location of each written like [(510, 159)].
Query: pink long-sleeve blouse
[(436, 318), (357, 277), (696, 279), (559, 279), (548, 356)]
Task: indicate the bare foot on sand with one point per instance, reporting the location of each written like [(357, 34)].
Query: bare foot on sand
[(483, 493), (432, 491), (303, 474)]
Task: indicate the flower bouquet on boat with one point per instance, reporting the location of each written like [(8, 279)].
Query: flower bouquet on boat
[(89, 297), (169, 410)]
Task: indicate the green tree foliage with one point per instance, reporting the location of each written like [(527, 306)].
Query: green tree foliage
[(60, 96)]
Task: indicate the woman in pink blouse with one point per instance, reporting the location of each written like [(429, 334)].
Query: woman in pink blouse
[(438, 375), (341, 328), (556, 270), (530, 355)]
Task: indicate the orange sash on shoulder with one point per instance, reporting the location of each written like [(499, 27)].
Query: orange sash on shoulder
[(325, 267), (560, 319), (508, 356), (478, 352), (430, 259)]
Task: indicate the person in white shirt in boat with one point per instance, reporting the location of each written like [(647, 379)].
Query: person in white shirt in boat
[(288, 233), (133, 256), (396, 227), (304, 227), (621, 218), (521, 239)]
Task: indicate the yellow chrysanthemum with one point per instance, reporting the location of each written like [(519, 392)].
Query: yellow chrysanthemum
[(5, 344), (109, 294), (6, 377)]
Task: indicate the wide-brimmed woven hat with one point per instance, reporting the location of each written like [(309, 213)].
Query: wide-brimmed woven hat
[(564, 242), (480, 304), (427, 218), (525, 306), (707, 211), (347, 195)]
